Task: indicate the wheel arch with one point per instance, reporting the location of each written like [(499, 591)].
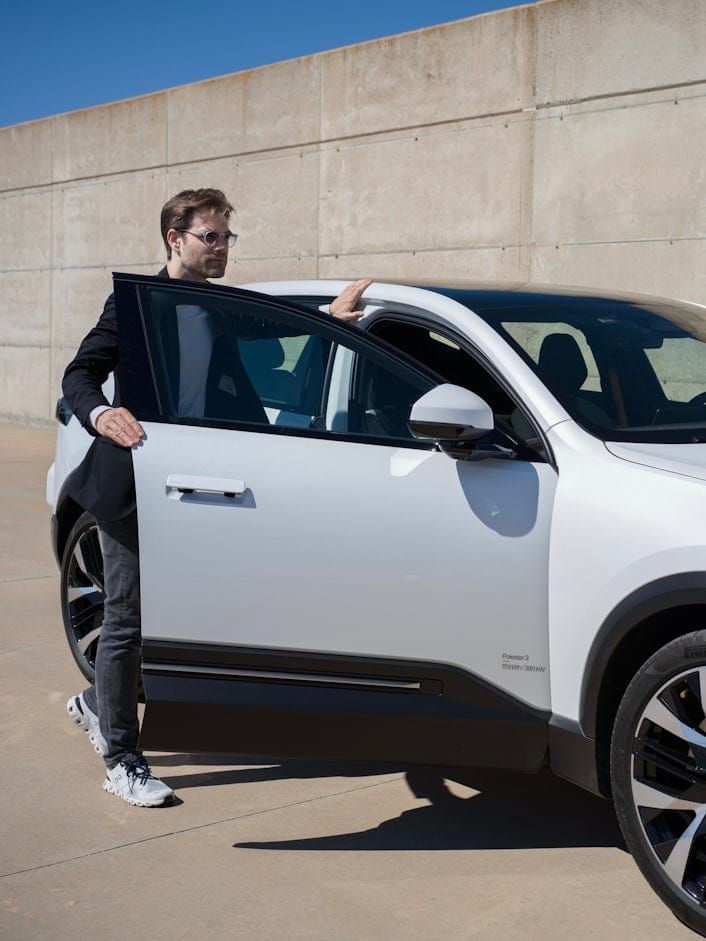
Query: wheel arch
[(67, 512), (643, 622)]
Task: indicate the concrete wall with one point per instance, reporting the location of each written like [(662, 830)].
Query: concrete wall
[(560, 142)]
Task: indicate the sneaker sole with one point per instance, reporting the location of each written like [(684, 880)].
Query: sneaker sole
[(111, 789), (80, 720)]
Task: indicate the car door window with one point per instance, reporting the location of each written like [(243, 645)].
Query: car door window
[(220, 359)]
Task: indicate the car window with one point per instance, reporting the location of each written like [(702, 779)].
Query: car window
[(287, 374), (371, 396), (625, 370), (218, 359), (532, 336), (679, 368)]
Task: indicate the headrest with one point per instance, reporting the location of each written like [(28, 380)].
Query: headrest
[(262, 354), (561, 364)]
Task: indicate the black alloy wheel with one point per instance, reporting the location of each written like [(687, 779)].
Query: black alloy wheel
[(658, 773), (82, 593)]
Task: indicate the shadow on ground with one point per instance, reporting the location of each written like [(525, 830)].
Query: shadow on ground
[(250, 770), (509, 811)]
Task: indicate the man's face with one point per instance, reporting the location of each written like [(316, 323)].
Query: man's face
[(197, 261)]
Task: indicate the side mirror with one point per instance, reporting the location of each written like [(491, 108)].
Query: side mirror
[(453, 415)]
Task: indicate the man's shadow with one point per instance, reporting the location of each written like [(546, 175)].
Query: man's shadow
[(490, 810)]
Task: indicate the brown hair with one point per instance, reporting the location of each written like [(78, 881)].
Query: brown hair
[(178, 212)]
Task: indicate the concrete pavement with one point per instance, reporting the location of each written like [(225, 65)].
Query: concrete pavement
[(268, 850)]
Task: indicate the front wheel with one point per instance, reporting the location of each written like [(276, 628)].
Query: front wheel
[(658, 774), (82, 593)]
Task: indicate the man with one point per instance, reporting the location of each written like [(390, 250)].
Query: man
[(197, 238)]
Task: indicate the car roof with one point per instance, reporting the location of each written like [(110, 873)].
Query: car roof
[(481, 294)]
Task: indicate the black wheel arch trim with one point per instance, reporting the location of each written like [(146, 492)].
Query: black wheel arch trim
[(572, 754), (54, 536), (657, 597), (66, 513)]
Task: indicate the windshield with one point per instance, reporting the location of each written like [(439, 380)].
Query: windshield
[(625, 370)]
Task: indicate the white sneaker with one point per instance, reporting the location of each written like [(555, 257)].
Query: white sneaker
[(87, 720), (132, 780)]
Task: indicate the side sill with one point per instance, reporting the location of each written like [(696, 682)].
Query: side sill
[(572, 754), (284, 704)]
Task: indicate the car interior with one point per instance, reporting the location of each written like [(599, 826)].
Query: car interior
[(455, 365), (621, 374)]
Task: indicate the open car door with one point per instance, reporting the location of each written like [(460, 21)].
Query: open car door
[(316, 582)]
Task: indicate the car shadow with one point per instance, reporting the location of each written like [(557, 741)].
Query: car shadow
[(257, 768), (497, 810), (511, 811)]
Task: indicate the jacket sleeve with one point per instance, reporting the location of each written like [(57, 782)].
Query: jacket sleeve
[(96, 358)]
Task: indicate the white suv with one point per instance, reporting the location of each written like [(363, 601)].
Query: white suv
[(470, 531)]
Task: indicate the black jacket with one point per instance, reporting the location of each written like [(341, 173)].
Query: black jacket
[(103, 483)]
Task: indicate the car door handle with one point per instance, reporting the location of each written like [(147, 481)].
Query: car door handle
[(185, 483)]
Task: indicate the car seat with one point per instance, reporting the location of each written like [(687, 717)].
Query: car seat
[(262, 359), (563, 369)]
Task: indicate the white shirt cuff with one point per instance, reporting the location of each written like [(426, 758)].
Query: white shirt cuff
[(95, 412)]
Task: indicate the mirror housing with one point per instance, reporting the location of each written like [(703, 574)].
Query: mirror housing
[(452, 415)]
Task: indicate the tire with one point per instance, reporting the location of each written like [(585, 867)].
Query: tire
[(82, 593), (658, 774)]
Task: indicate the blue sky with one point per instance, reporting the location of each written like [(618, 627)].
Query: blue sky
[(57, 57)]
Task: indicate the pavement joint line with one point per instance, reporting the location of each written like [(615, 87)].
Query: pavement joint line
[(37, 646), (200, 826), (26, 578)]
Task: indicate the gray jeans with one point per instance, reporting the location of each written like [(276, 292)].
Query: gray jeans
[(114, 697)]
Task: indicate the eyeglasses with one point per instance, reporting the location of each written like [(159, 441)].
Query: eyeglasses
[(212, 238)]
